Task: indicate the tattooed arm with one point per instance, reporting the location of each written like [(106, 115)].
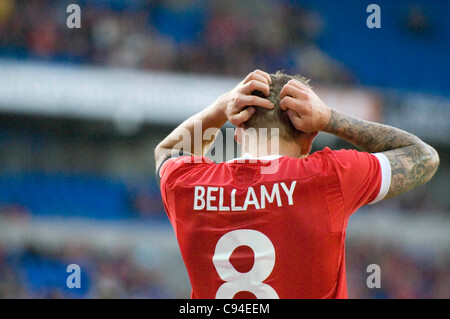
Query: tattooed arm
[(413, 162)]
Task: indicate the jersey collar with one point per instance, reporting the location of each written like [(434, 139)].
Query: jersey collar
[(249, 156)]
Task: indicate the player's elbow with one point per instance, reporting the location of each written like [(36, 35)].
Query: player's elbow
[(434, 160), (157, 151), (159, 154), (428, 164)]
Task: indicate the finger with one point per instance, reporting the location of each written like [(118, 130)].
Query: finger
[(299, 85), (285, 102), (254, 100), (257, 77), (255, 85), (243, 116), (296, 120), (264, 74), (291, 90), (290, 103)]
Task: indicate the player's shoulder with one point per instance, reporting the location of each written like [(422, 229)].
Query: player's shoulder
[(313, 165), (326, 161), (318, 158), (187, 160), (327, 152), (341, 155), (175, 167), (352, 162)]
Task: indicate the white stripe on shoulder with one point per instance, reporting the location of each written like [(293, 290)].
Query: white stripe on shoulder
[(385, 177)]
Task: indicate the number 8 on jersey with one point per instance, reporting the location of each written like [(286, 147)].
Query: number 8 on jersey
[(252, 280)]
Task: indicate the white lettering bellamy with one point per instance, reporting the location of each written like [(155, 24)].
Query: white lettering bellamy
[(217, 199)]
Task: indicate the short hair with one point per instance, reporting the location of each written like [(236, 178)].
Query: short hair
[(276, 117)]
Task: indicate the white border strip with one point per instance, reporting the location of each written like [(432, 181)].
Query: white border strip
[(385, 177)]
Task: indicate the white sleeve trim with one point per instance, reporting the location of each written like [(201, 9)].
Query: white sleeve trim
[(385, 177)]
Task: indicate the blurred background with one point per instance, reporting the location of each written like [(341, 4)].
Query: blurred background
[(82, 109)]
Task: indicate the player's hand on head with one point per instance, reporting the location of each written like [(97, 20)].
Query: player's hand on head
[(307, 112), (239, 104)]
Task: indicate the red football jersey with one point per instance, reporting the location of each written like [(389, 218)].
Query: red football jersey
[(272, 227)]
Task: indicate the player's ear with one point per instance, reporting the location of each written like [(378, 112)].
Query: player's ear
[(238, 133), (307, 140)]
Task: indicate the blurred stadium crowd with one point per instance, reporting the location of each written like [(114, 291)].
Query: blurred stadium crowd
[(207, 37), (234, 37), (191, 36), (37, 273)]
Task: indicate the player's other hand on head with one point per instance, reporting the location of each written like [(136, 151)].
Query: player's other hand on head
[(239, 104), (306, 110)]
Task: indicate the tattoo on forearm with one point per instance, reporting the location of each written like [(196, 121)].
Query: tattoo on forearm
[(368, 136), (413, 162)]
